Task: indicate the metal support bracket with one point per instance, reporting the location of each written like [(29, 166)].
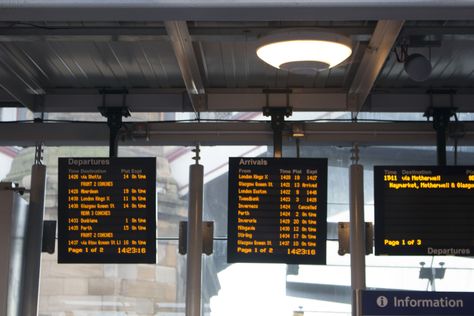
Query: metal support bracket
[(114, 122), (13, 187), (432, 273), (343, 233), (196, 151), (441, 117), (48, 244), (39, 154), (278, 115), (207, 237)]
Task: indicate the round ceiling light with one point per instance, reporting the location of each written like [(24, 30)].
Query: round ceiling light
[(304, 51)]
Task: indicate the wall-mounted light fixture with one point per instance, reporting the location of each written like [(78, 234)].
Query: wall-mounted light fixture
[(416, 65), (301, 51)]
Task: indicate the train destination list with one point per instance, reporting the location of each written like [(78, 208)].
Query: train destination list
[(277, 210), (106, 210), (424, 210)]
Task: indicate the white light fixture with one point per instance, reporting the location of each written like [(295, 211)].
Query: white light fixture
[(304, 51)]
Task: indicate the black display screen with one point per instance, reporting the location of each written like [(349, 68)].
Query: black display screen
[(107, 210), (424, 210), (277, 210)]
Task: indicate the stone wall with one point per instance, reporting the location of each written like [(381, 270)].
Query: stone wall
[(111, 289)]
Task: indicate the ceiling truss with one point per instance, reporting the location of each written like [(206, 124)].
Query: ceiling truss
[(187, 61), (232, 133), (211, 10), (246, 100), (380, 46)]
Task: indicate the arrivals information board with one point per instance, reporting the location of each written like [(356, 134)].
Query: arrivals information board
[(424, 210), (277, 210), (106, 210)]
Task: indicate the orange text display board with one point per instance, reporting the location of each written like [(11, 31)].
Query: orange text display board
[(107, 210), (277, 210), (424, 210)]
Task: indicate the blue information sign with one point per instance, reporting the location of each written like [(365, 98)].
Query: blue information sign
[(413, 303)]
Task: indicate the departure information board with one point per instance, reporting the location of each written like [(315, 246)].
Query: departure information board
[(424, 210), (106, 210), (277, 210)]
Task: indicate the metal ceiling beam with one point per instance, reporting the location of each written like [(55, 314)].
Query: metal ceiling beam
[(218, 100), (217, 32), (249, 100), (379, 48), (417, 102), (187, 61), (211, 10), (137, 101), (231, 37), (220, 32), (210, 134), (254, 102), (19, 30)]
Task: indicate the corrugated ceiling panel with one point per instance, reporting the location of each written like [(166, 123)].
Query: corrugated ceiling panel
[(452, 66), (81, 64)]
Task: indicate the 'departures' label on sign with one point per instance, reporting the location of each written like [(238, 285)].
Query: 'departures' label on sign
[(277, 210), (424, 210), (107, 210)]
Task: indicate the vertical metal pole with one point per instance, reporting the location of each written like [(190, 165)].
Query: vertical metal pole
[(441, 145), (433, 279), (441, 118), (17, 253), (13, 210), (113, 142), (194, 240), (277, 143), (278, 123), (6, 223), (357, 235), (33, 240), (114, 122), (297, 148)]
